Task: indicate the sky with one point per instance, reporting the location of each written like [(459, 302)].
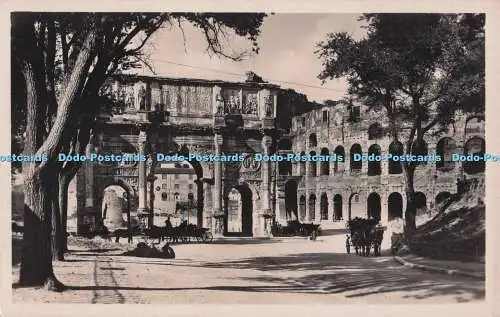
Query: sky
[(287, 44)]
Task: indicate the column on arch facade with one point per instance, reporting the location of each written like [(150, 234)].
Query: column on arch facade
[(142, 182), (218, 212), (265, 216)]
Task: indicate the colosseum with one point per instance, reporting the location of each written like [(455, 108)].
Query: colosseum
[(332, 192)]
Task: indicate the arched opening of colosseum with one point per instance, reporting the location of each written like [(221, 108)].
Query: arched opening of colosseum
[(338, 166), (396, 149), (395, 206), (325, 165), (313, 165), (420, 148), (313, 141), (178, 193), (445, 148), (114, 206), (337, 207), (324, 206), (291, 199), (375, 132), (356, 165), (239, 207), (441, 198), (475, 146), (420, 203), (285, 168), (302, 165), (312, 207), (302, 208), (373, 206), (374, 165)]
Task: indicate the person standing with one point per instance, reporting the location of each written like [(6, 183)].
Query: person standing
[(348, 244)]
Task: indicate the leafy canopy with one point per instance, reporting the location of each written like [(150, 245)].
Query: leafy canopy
[(420, 67)]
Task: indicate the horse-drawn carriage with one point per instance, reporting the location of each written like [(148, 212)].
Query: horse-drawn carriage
[(185, 232), (182, 233), (296, 228), (364, 235)]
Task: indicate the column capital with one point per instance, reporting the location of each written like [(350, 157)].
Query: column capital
[(218, 139)]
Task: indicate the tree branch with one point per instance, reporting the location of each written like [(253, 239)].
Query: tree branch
[(430, 124), (65, 111), (50, 53)]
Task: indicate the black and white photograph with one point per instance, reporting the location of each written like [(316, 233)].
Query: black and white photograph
[(248, 158)]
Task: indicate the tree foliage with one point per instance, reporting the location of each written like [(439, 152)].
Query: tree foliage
[(423, 66), (60, 62)]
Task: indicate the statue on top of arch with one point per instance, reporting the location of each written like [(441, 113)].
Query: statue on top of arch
[(142, 98)]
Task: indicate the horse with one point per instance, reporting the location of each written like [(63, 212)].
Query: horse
[(123, 233), (178, 232), (105, 234), (156, 232), (356, 241), (377, 237)]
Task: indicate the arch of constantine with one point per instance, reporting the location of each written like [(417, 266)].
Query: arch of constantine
[(149, 115)]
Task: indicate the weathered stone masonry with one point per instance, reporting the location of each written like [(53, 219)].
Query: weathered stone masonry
[(337, 191), (167, 115)]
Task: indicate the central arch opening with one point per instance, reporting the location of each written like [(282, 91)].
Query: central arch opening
[(176, 193), (239, 206)]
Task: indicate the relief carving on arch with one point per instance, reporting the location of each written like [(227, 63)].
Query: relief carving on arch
[(250, 102)]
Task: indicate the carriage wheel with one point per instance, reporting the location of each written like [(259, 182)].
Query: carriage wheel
[(199, 237), (208, 237), (169, 252)]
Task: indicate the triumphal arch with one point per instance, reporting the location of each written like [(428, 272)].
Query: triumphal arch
[(178, 117)]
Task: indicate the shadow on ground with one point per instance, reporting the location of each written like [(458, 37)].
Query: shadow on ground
[(311, 273), (319, 273), (357, 276)]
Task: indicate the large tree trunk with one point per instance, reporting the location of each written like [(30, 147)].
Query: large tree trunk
[(41, 181), (36, 264), (64, 181)]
